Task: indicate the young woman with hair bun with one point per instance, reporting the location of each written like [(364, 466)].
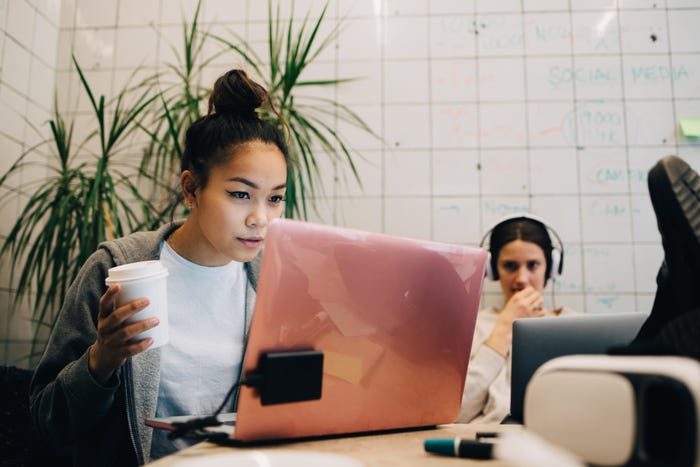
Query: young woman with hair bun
[(94, 385)]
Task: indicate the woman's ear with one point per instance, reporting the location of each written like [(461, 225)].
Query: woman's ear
[(188, 185)]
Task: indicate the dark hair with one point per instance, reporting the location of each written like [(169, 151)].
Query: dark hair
[(231, 119), (520, 228)]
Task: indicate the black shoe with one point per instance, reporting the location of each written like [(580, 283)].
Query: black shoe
[(674, 189)]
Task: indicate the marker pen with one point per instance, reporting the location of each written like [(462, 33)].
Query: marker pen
[(459, 447)]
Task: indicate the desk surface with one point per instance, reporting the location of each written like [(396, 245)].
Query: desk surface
[(387, 449)]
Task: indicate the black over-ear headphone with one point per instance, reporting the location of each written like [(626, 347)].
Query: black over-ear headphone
[(557, 249)]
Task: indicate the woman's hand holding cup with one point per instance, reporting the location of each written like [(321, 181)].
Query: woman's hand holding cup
[(115, 337), (133, 315)]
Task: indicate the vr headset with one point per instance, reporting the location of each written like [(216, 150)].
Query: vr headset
[(640, 411)]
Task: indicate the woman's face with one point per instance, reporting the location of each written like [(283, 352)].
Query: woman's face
[(241, 197), (520, 264)]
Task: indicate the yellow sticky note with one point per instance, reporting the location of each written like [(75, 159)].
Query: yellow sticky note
[(690, 127)]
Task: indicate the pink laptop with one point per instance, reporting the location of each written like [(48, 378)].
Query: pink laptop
[(393, 317)]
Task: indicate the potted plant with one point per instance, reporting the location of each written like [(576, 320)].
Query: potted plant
[(91, 197), (80, 204), (311, 121)]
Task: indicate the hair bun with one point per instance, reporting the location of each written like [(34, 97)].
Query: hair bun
[(235, 94)]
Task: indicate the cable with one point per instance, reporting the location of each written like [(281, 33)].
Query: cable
[(281, 377), (187, 429), (226, 398)]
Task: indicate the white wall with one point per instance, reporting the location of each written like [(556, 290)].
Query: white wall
[(556, 107), (28, 46)]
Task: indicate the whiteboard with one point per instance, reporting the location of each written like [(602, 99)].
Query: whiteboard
[(553, 107), (485, 108)]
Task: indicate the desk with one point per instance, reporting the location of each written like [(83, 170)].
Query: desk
[(377, 450)]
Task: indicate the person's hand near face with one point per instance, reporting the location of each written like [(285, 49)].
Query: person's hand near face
[(521, 271), (526, 303)]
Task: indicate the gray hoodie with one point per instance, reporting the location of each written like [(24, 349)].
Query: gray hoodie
[(102, 425)]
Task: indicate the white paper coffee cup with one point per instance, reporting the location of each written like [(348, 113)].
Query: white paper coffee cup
[(144, 279)]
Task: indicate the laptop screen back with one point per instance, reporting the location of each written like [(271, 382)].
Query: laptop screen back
[(536, 341), (394, 318)]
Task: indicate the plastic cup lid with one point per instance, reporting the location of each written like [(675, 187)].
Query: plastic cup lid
[(136, 271)]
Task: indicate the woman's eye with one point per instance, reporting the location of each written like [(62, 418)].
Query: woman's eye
[(276, 199), (510, 267), (238, 194), (533, 265)]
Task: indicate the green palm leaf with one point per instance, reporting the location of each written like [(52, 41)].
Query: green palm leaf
[(75, 208), (291, 50), (88, 197)]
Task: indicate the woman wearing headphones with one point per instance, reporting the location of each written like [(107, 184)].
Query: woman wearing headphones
[(522, 258)]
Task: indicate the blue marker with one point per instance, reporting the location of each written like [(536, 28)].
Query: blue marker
[(458, 447)]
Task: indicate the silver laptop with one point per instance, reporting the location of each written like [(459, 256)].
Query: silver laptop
[(536, 341)]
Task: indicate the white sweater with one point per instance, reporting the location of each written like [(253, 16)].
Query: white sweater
[(486, 397)]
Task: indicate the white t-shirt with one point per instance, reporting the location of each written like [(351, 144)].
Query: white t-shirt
[(206, 317)]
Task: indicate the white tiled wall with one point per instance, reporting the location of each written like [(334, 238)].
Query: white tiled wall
[(28, 47), (487, 108)]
